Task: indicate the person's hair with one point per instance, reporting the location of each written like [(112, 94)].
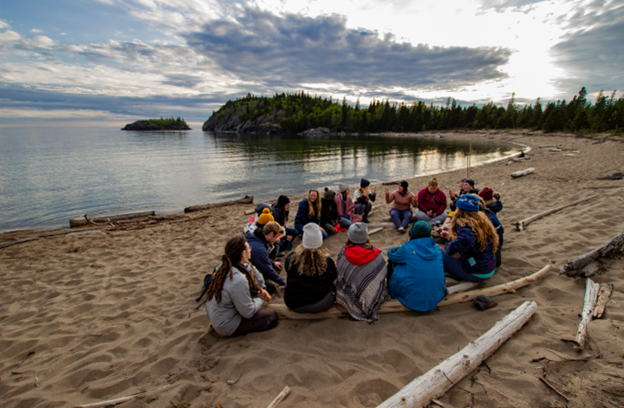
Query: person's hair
[(311, 205), (366, 245), (488, 202), (433, 182), (361, 190), (309, 262), (271, 226), (479, 223), (232, 257)]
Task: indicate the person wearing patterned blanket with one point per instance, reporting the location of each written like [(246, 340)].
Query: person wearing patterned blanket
[(361, 283)]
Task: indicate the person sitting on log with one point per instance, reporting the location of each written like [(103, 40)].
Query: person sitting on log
[(491, 199), (416, 270), (464, 186), (330, 220), (345, 207), (431, 203), (363, 199), (237, 293), (262, 241), (280, 210), (470, 256), (361, 282), (309, 211), (311, 274), (402, 200)]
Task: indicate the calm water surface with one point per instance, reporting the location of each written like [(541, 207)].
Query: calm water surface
[(49, 175)]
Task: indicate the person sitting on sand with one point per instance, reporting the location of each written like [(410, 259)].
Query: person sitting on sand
[(252, 223), (431, 203), (261, 242), (345, 207), (498, 227), (280, 210), (237, 293), (361, 282), (363, 199), (470, 256), (330, 220), (402, 200), (491, 199), (417, 279), (464, 187), (309, 211), (311, 274)]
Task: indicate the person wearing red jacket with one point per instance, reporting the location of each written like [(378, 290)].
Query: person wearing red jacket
[(431, 203)]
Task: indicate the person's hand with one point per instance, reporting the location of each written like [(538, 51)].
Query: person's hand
[(455, 255), (387, 192), (451, 193), (289, 238), (265, 295), (322, 229), (278, 265), (375, 190), (445, 234)]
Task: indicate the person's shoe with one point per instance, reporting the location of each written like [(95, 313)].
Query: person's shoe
[(401, 230), (365, 219)]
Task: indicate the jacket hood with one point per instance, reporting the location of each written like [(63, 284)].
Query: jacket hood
[(426, 248), (358, 255)]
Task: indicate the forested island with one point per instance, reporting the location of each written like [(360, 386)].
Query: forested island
[(300, 112), (158, 124)]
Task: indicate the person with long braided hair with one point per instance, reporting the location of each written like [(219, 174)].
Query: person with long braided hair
[(237, 293), (470, 256)]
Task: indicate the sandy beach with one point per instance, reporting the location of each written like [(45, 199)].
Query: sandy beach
[(93, 317)]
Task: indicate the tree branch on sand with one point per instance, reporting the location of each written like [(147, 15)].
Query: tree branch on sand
[(521, 225), (590, 263)]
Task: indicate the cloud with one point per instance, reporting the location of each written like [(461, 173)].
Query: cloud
[(36, 30), (182, 80), (501, 5), (294, 49)]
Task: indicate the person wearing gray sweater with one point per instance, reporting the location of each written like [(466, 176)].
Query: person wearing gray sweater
[(237, 293)]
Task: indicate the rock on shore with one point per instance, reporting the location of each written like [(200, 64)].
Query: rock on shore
[(230, 122)]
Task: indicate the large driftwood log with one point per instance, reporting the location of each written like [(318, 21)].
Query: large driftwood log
[(462, 287), (245, 200), (575, 266), (445, 375), (78, 222), (523, 172), (521, 225), (394, 306), (603, 298), (589, 304)]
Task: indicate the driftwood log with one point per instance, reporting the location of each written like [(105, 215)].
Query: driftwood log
[(521, 225), (245, 200), (84, 220), (394, 306), (445, 375), (589, 304), (374, 231), (580, 265), (523, 172), (603, 298), (280, 397), (462, 287), (108, 403), (612, 176)]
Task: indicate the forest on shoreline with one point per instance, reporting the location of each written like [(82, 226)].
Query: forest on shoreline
[(297, 112)]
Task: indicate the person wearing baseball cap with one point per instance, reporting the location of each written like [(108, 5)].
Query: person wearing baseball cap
[(470, 256)]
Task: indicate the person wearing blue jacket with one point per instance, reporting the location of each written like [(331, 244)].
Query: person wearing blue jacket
[(418, 278), (261, 241)]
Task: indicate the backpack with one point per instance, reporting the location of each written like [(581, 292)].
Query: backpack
[(207, 282)]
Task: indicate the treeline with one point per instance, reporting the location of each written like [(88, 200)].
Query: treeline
[(299, 111), (168, 122)]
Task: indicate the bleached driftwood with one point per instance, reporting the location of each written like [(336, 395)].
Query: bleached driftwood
[(589, 304), (84, 220), (394, 306), (445, 375), (245, 200), (461, 287), (248, 212), (381, 224), (374, 231), (603, 298), (575, 266), (280, 397), (108, 403), (520, 225), (523, 172)]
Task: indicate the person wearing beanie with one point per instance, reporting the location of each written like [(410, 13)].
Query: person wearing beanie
[(309, 211), (252, 224), (310, 274), (402, 200), (345, 207), (431, 203), (363, 199), (417, 279), (497, 226), (263, 248), (470, 256), (265, 217), (361, 281), (491, 199), (330, 219), (465, 185), (280, 210)]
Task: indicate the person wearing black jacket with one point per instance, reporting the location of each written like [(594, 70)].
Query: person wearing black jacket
[(280, 210), (329, 213), (363, 199)]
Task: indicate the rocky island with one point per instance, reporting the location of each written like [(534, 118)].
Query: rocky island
[(158, 124)]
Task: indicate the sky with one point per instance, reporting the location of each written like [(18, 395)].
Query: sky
[(123, 60)]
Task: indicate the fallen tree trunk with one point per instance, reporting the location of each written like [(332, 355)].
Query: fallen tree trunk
[(245, 200), (78, 222), (394, 306), (445, 375), (523, 172), (521, 225), (589, 304), (575, 266), (603, 298)]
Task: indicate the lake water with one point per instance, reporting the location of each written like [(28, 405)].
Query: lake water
[(49, 175)]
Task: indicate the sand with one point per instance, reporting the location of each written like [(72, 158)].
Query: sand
[(94, 317)]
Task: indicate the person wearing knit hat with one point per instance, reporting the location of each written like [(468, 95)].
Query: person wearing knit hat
[(361, 281), (345, 207), (309, 211), (263, 250), (491, 199), (252, 224), (280, 211), (364, 199), (330, 220), (310, 274), (431, 203), (417, 279), (402, 200), (470, 256), (265, 217), (465, 185)]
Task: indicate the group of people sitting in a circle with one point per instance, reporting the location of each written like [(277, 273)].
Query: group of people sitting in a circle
[(360, 279)]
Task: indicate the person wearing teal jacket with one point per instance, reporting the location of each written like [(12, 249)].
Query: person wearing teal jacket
[(418, 277)]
